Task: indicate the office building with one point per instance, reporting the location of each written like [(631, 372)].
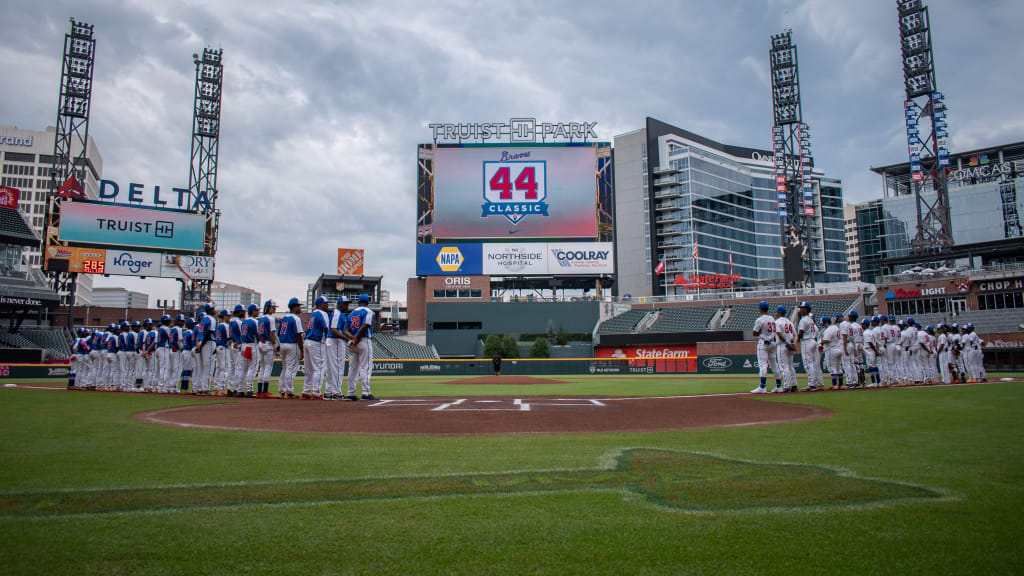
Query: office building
[(852, 248), (119, 298), (675, 189), (226, 295), (26, 164), (984, 205)]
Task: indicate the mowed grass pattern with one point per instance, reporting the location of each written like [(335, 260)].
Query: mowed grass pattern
[(958, 442)]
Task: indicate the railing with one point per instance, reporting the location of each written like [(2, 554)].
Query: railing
[(930, 274)]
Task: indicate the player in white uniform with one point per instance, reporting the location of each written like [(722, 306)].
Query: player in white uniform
[(979, 350), (872, 351), (222, 369), (931, 370), (849, 349), (313, 350), (942, 349), (78, 375), (764, 331), (360, 327), (289, 334), (267, 346), (832, 346), (807, 335), (336, 348), (973, 357), (786, 347)]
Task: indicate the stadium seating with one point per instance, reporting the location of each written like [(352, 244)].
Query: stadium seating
[(17, 341), (54, 341), (387, 346), (623, 323), (688, 319)]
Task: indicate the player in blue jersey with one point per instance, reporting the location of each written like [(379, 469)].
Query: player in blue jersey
[(78, 375), (112, 379), (289, 334), (148, 353), (168, 380), (97, 358), (128, 341), (336, 343), (360, 351), (188, 345), (313, 345), (222, 354), (205, 347), (250, 355), (177, 335), (235, 334), (266, 334)]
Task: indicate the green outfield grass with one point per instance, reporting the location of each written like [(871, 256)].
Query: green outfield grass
[(949, 460)]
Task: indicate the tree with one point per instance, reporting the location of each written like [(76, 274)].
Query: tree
[(494, 344), (551, 331), (509, 347), (562, 338), (540, 349)]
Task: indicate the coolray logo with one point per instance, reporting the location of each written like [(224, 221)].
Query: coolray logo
[(574, 258), (134, 266), (717, 362), (449, 259)]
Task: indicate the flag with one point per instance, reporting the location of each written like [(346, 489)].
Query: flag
[(695, 251), (730, 262), (71, 188), (660, 268)]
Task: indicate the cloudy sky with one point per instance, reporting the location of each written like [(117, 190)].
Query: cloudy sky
[(324, 102)]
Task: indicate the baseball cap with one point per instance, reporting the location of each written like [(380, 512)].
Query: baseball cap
[(343, 299), (901, 323), (866, 322), (209, 306), (135, 324), (190, 320), (111, 326), (805, 304), (852, 314), (910, 320), (956, 326), (928, 328), (224, 312), (364, 298), (319, 300), (180, 317), (293, 302), (239, 308), (253, 308), (781, 309), (270, 304), (826, 320), (125, 324), (762, 305), (165, 318), (147, 321), (839, 316), (892, 316)]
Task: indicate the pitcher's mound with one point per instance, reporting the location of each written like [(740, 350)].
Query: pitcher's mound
[(506, 380)]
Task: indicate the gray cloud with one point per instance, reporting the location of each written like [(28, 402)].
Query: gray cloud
[(324, 102)]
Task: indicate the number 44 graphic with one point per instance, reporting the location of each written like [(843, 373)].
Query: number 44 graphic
[(514, 189)]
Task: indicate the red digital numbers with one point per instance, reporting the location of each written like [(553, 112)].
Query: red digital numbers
[(527, 180), (93, 266)]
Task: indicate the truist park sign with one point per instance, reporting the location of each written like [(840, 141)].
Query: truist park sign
[(516, 130)]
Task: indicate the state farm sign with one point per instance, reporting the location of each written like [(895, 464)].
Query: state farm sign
[(664, 359)]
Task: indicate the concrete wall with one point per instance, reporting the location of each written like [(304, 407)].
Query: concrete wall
[(503, 318), (630, 241)]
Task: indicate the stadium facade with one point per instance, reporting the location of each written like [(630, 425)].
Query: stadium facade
[(985, 212), (26, 163), (675, 190)]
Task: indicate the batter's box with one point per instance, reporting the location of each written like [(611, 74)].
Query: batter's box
[(484, 404)]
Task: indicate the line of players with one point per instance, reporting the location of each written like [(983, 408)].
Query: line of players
[(877, 351), (234, 357)]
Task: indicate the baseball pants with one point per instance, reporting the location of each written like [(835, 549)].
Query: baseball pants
[(266, 351), (870, 362), (98, 368), (175, 360), (944, 367), (128, 363), (313, 367), (247, 366), (289, 368), (165, 367), (786, 365), (204, 367), (834, 361), (221, 367), (335, 352), (188, 363), (74, 368), (767, 357), (360, 366), (113, 371), (812, 361), (850, 364), (236, 376)]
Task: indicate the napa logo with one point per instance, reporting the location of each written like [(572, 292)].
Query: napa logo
[(450, 259), (515, 187)]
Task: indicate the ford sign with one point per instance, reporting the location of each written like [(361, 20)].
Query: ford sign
[(716, 363)]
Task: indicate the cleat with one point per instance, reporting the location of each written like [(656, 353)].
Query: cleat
[(352, 398), (777, 390), (759, 390), (306, 396), (370, 397)]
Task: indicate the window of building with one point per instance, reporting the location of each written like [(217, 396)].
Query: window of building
[(19, 157), (458, 293), (1001, 301), (458, 325)]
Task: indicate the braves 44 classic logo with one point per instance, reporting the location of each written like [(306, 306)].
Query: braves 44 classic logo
[(515, 187)]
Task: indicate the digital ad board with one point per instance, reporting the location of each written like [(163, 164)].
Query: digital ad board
[(517, 259), (86, 222), (508, 192)]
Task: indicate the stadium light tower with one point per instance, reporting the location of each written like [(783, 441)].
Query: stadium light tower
[(927, 133), (70, 143), (791, 145), (202, 176)]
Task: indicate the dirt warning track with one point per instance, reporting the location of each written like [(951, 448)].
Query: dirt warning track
[(485, 415)]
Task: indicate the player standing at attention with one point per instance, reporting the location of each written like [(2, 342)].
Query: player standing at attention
[(188, 346), (942, 349), (266, 332), (250, 354), (163, 355), (313, 350), (235, 334), (113, 375), (869, 337), (335, 349), (360, 326), (147, 351), (849, 353), (807, 336), (289, 334), (139, 363), (913, 356), (831, 346), (97, 358), (129, 342), (77, 374), (764, 330), (786, 348), (222, 354), (881, 333), (205, 346)]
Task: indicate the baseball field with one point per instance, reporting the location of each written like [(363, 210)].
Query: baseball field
[(596, 475)]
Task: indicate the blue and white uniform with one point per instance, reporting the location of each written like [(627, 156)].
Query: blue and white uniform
[(188, 346), (767, 357), (313, 343), (129, 343), (250, 356), (335, 350), (266, 334), (235, 334), (204, 351), (222, 356), (360, 351), (289, 330)]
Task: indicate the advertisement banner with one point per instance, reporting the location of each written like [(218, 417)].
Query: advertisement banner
[(81, 260), (512, 192), (131, 263), (449, 259), (99, 223), (671, 358), (350, 261), (187, 267), (9, 197), (515, 259), (583, 258), (739, 364)]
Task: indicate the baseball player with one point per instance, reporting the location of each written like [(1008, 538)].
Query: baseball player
[(250, 354), (360, 326), (177, 337), (313, 350), (942, 348), (764, 331), (849, 349), (956, 350), (931, 373), (832, 346), (289, 334), (168, 379), (188, 346), (336, 348), (222, 354), (147, 354), (78, 375), (974, 356), (138, 361), (786, 347), (126, 354), (807, 335), (872, 351), (112, 380), (235, 333), (913, 355), (205, 347), (266, 334), (97, 358)]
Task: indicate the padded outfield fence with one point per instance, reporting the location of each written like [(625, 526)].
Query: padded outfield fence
[(996, 360)]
